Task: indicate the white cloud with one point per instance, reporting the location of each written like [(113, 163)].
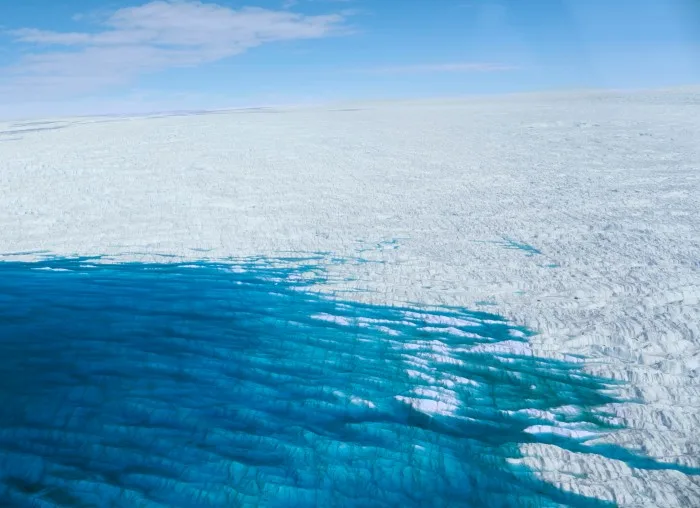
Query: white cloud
[(443, 67), (152, 37)]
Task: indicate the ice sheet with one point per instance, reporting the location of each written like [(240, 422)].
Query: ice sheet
[(577, 215)]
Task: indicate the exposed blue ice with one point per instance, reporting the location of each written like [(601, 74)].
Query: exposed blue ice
[(202, 384)]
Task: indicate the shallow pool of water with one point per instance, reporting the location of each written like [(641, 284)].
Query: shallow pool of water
[(233, 384)]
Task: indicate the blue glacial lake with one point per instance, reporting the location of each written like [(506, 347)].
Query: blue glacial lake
[(233, 384)]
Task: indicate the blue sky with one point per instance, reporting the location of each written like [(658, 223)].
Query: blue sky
[(91, 56)]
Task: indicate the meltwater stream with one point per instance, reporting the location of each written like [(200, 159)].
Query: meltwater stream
[(224, 385)]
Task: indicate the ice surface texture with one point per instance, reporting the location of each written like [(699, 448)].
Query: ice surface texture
[(234, 385)]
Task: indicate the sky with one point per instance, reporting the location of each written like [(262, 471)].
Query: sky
[(74, 57)]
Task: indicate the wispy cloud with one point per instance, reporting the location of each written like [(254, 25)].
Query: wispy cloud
[(152, 37), (442, 67)]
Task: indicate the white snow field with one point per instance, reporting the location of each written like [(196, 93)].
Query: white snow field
[(576, 215)]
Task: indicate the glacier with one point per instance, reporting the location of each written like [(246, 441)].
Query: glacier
[(573, 216)]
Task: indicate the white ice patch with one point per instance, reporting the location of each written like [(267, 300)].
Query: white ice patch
[(505, 347), (332, 319), (431, 405), (362, 402), (354, 400), (561, 431), (450, 330), (442, 320), (421, 375)]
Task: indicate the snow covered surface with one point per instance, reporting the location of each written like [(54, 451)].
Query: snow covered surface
[(576, 215)]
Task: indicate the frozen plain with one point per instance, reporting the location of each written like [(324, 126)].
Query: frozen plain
[(576, 215)]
